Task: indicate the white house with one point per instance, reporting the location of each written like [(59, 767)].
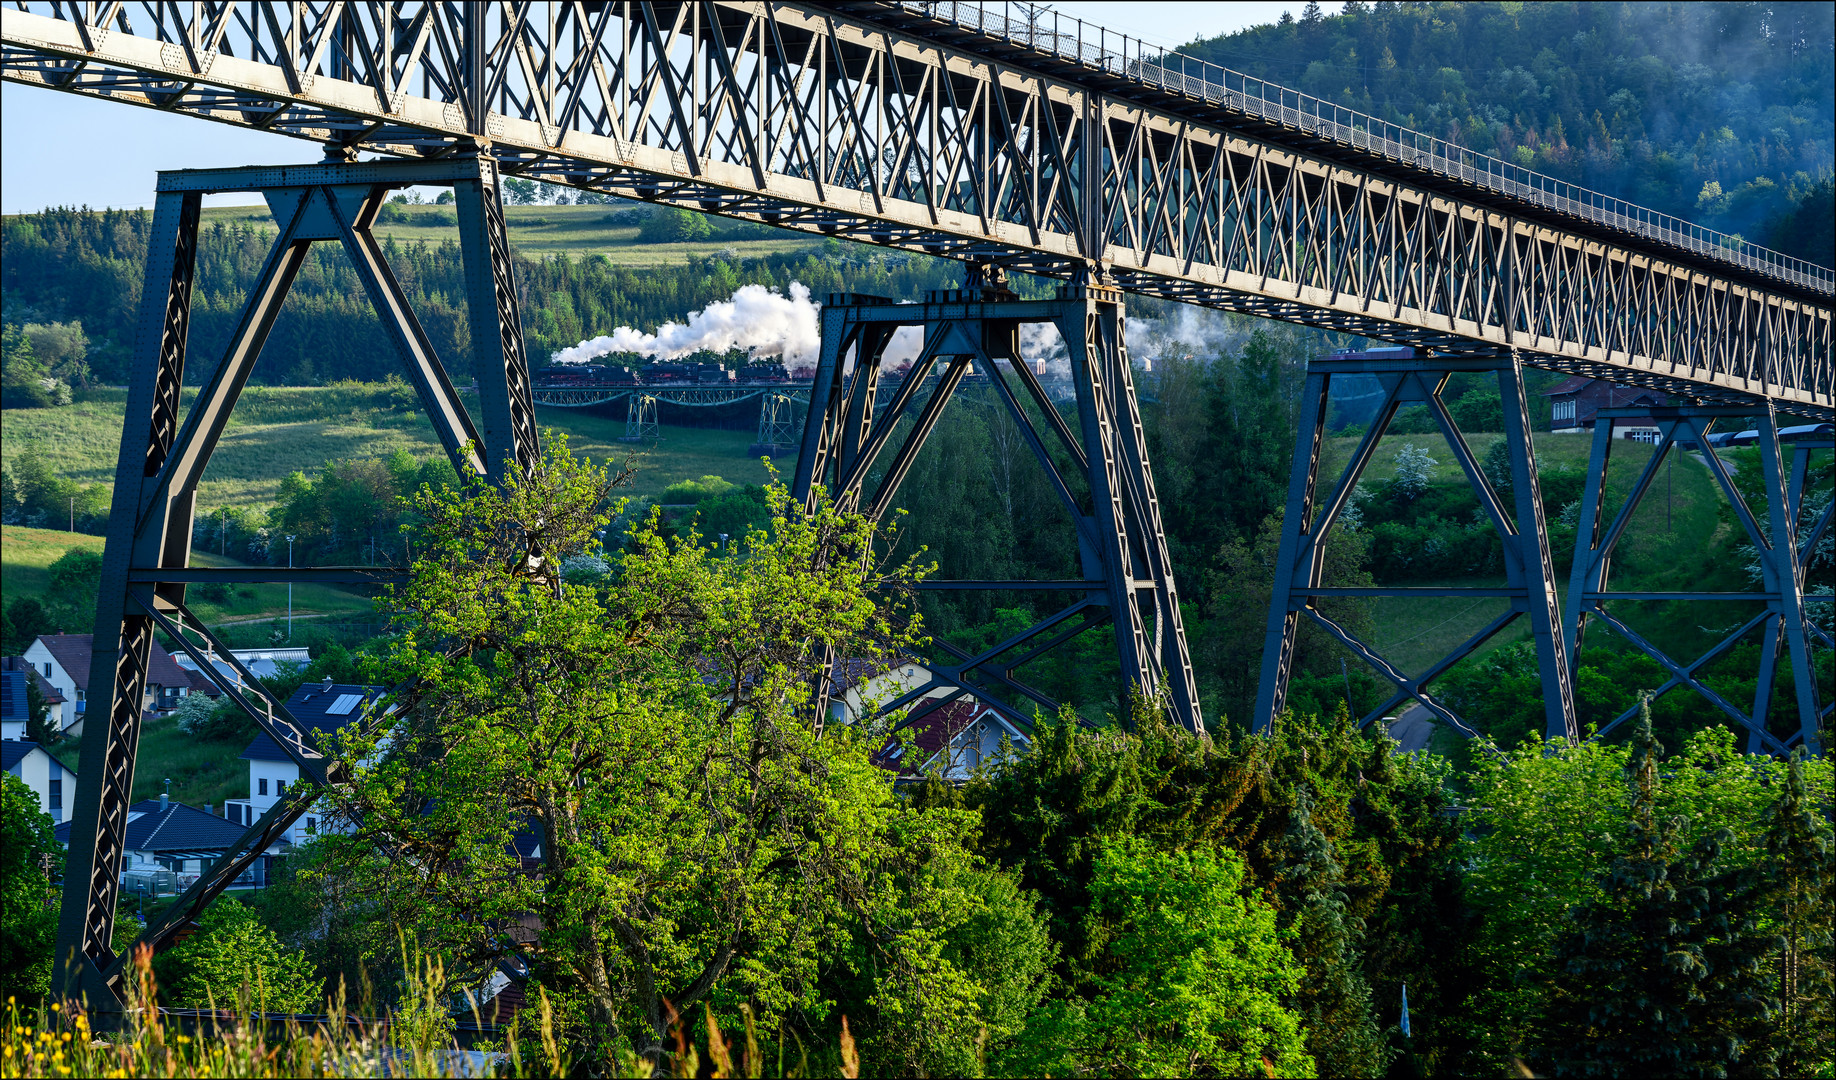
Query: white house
[(44, 774), (855, 696), (262, 663), (15, 711), (953, 737), (54, 701), (63, 661), (322, 707)]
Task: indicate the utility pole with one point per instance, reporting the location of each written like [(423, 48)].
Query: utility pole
[(290, 591)]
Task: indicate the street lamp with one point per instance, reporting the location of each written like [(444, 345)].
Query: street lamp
[(290, 591)]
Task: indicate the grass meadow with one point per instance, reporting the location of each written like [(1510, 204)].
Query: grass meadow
[(549, 230)]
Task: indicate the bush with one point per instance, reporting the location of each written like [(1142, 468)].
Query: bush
[(232, 958)]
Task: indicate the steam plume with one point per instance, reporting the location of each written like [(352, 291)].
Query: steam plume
[(758, 319)]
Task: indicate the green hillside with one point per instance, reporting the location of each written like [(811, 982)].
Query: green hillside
[(1720, 113), (277, 430)]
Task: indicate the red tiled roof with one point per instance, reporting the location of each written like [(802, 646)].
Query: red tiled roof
[(72, 653), (933, 727), (1574, 384)]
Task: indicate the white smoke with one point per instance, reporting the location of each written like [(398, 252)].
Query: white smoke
[(1206, 333), (758, 319)]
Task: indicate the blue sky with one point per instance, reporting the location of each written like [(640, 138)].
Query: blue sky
[(61, 149)]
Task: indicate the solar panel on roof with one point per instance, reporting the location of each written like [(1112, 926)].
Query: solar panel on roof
[(344, 704)]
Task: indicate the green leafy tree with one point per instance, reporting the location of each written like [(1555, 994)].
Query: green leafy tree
[(233, 958), (28, 919), (1195, 979), (701, 841), (1334, 1001)]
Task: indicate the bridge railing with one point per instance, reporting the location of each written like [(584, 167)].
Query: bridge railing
[(1131, 58)]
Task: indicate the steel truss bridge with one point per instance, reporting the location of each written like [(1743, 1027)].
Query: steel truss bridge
[(1046, 146)]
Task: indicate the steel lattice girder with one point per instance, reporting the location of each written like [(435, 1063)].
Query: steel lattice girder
[(830, 120), (164, 452), (1308, 521), (1781, 549), (1128, 574)]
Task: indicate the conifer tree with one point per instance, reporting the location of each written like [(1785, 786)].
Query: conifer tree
[(1335, 1001), (1801, 862), (1663, 977)]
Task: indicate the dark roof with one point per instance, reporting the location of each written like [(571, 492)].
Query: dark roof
[(311, 705), (52, 695), (13, 751), (203, 684), (72, 653), (178, 828), (13, 697)]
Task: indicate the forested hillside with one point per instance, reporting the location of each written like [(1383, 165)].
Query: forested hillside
[(1720, 113), (81, 266)]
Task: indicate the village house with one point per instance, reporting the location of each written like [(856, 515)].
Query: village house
[(63, 661), (1577, 400), (54, 701), (322, 708), (172, 837), (953, 738), (30, 762)]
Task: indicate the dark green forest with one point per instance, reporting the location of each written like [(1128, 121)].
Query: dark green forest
[(1718, 113)]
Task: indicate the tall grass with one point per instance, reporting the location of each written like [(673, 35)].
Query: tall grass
[(238, 1040), (416, 1038)]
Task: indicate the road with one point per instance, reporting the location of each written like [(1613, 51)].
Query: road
[(1412, 728)]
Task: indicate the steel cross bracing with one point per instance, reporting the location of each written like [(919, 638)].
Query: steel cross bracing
[(1105, 483), (923, 130), (1782, 545), (164, 453), (1308, 521)]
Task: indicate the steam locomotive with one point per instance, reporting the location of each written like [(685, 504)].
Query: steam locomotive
[(597, 376)]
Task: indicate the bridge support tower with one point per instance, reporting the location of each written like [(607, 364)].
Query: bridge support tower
[(777, 424), (1105, 483), (641, 419), (1782, 547), (146, 565), (1309, 518)]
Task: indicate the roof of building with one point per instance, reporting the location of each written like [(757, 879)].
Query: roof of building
[(933, 727), (52, 695), (322, 707), (203, 684), (13, 707), (177, 830), (72, 653), (13, 751), (1574, 384)]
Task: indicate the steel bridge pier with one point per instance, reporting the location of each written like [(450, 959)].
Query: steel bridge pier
[(1108, 489), (164, 453), (1308, 520), (1782, 546)]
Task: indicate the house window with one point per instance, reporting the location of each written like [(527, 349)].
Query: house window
[(1564, 410), (312, 825), (57, 793), (47, 669), (261, 786), (280, 787)]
